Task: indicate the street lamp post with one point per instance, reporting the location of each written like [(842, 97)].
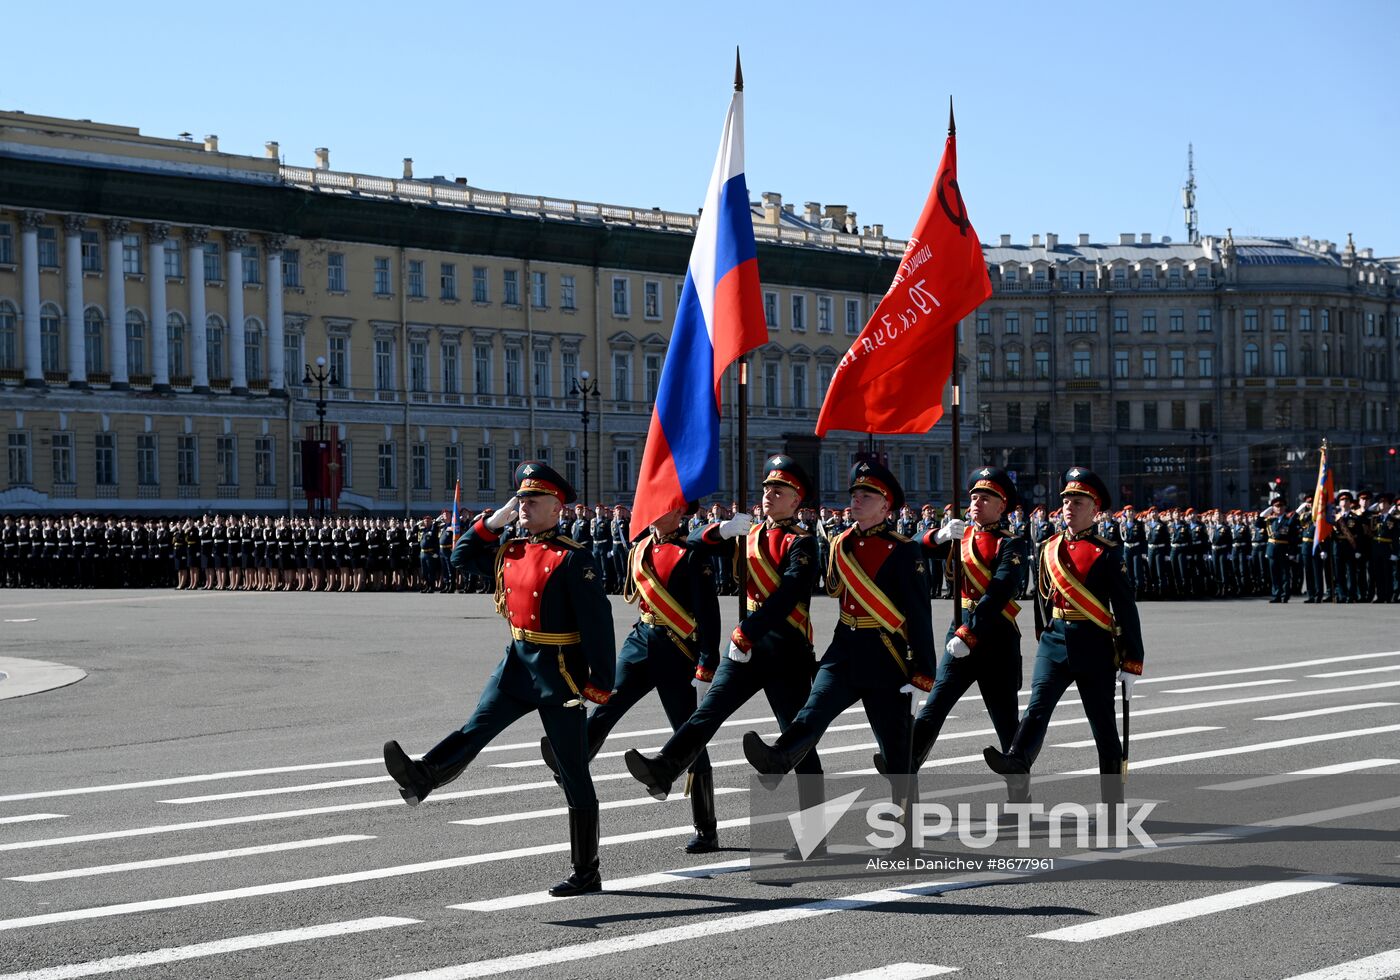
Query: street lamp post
[(581, 388), (322, 376)]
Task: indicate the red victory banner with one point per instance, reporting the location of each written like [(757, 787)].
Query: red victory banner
[(892, 378)]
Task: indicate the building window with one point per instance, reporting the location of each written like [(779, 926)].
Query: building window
[(1149, 321), (335, 272), (1326, 359), (147, 471), (1012, 323), (823, 314), (567, 298), (1083, 364), (292, 363), (770, 310), (105, 459), (1124, 415), (1325, 320), (1254, 414), (622, 469), (651, 300), (935, 473), (226, 455), (131, 255), (1205, 363), (338, 354), (447, 280), (382, 286), (542, 373), (622, 376), (418, 466), (1120, 364), (1149, 364), (51, 344), (1251, 360), (451, 368), (214, 262), (770, 384), (9, 337), (513, 375), (515, 455), (1203, 321), (568, 370), (1042, 323), (1083, 416), (1013, 416), (383, 364), (1305, 320), (799, 312), (1176, 321), (214, 348), (1280, 320), (1280, 360), (291, 268), (1177, 359), (510, 287), (62, 445), (1149, 417), (984, 365), (825, 372), (1013, 365), (485, 468), (7, 244), (417, 289), (187, 461), (852, 317), (451, 467), (175, 344), (1178, 415), (571, 466), (652, 375), (1042, 365), (418, 365), (481, 362), (622, 297), (386, 466), (984, 323), (135, 343), (18, 451), (1206, 420), (252, 351), (252, 267), (92, 251), (174, 260), (481, 290), (1305, 360), (799, 386), (1251, 321), (539, 290)]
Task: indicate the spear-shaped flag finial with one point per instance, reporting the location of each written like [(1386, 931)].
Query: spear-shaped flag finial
[(738, 71), (952, 127)]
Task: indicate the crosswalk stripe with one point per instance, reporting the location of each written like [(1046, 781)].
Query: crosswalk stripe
[(326, 881), (1353, 673), (563, 810), (899, 971), (1282, 743), (1337, 710), (177, 954), (1291, 777), (709, 928), (1191, 909), (537, 897), (1226, 687), (107, 869), (1270, 668), (33, 817), (1377, 967), (280, 790), (1143, 736)]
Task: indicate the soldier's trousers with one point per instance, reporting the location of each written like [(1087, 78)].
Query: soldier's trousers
[(1054, 673), (565, 727), (1278, 574), (837, 687), (997, 674), (1242, 571), (1162, 570), (1348, 587), (1312, 571), (1181, 569), (655, 663), (1224, 572), (1136, 564), (428, 568), (784, 678)]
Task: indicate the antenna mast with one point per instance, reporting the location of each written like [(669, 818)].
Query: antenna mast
[(1188, 197)]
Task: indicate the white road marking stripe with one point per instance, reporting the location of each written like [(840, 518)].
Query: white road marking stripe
[(1353, 673), (1179, 911), (176, 954), (537, 897), (1270, 669), (1377, 967), (107, 869), (325, 881), (1318, 712), (1226, 687), (32, 817), (1293, 777), (178, 780), (899, 971), (279, 790), (563, 810), (1282, 743), (709, 928), (1143, 736)]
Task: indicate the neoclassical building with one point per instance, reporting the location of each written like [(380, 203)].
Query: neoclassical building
[(162, 301)]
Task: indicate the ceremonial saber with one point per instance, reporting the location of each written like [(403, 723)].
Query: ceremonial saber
[(1127, 715)]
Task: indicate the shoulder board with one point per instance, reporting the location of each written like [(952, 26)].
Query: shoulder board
[(900, 538), (797, 530), (568, 542), (1105, 541)]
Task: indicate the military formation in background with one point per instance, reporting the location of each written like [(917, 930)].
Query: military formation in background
[(1170, 553)]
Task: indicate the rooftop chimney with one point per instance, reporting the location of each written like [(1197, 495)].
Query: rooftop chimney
[(1126, 238), (1035, 241), (837, 214), (408, 168), (462, 181), (323, 158), (211, 144), (877, 231), (272, 150), (1052, 241), (851, 226), (1005, 241), (772, 206), (1083, 239), (1147, 238), (812, 212)]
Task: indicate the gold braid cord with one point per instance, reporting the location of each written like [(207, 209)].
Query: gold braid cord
[(834, 585), (500, 581), (629, 585)]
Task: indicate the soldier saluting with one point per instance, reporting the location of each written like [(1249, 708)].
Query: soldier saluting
[(561, 652), (1086, 603)]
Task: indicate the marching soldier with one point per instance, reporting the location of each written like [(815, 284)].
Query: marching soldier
[(771, 648), (561, 654), (673, 648), (1086, 604)]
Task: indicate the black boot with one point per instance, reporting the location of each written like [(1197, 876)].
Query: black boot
[(811, 792), (656, 774), (583, 854), (1006, 763), (547, 754), (767, 760), (1018, 789), (923, 745), (442, 763), (702, 809)]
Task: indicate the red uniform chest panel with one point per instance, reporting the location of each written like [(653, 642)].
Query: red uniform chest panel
[(870, 554), (985, 546), (527, 569), (1079, 558), (775, 542), (662, 559)]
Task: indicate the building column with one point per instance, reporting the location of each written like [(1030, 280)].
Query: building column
[(199, 316), (238, 368), (29, 222), (276, 369), (116, 304), (160, 330), (73, 299)]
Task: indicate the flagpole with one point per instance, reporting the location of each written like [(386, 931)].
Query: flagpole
[(742, 408), (957, 446)]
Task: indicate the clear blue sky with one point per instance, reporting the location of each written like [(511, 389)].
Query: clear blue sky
[(1071, 118)]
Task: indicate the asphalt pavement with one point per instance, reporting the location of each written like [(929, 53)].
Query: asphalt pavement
[(209, 801)]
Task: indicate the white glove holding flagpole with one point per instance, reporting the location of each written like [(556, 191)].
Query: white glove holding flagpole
[(957, 648), (953, 529), (736, 526), (702, 688), (1127, 680), (737, 655), (915, 697)]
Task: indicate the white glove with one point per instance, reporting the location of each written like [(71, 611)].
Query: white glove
[(910, 689), (953, 529), (1128, 680), (503, 514), (737, 525), (1395, 557), (737, 655), (957, 648), (702, 687)]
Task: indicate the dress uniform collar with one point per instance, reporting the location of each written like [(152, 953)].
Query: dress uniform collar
[(788, 523), (997, 525), (546, 535), (1086, 533), (674, 537), (878, 529)]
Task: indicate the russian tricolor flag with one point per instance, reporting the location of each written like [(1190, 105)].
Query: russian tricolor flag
[(718, 320)]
